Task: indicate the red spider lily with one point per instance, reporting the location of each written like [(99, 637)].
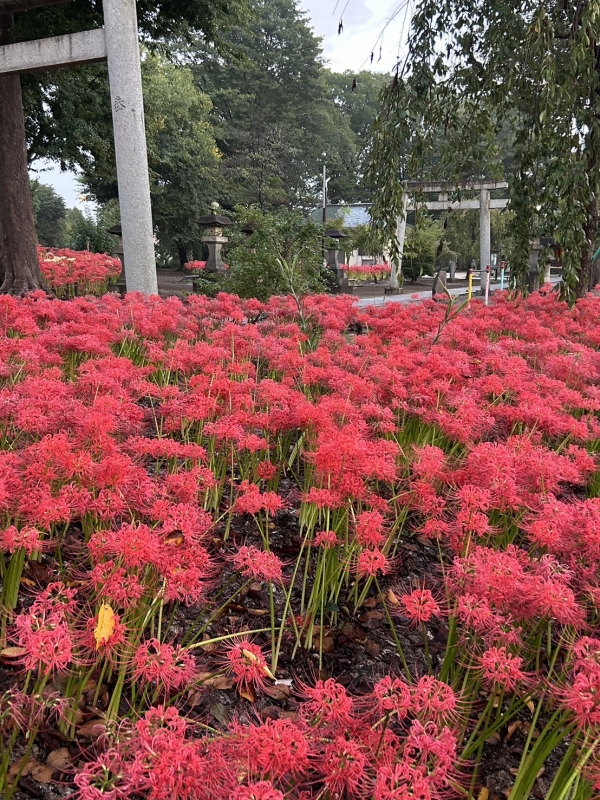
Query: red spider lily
[(258, 564), (277, 748), (46, 640), (263, 790), (393, 695), (370, 562), (11, 539), (369, 529), (419, 606), (326, 539), (326, 702), (164, 665), (344, 767), (246, 664), (500, 668)]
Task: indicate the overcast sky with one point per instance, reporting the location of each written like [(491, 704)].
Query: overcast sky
[(370, 26), (364, 23)]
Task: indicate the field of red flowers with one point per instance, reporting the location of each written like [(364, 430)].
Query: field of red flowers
[(262, 551), (75, 272)]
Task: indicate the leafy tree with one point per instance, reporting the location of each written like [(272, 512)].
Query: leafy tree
[(273, 113), (50, 214), (182, 154), (420, 249), (478, 72), (462, 235), (356, 99), (88, 230), (255, 262), (56, 134)]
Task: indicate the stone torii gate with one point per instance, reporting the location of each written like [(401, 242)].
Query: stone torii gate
[(117, 43), (484, 203)]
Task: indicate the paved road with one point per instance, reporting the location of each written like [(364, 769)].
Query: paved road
[(415, 297)]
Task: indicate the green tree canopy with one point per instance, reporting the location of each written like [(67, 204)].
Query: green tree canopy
[(481, 78), (50, 214), (51, 129), (182, 154), (255, 260), (275, 118)]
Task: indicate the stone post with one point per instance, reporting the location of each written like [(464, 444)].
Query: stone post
[(333, 259), (125, 76), (533, 282), (485, 237), (396, 270), (440, 283), (547, 267)]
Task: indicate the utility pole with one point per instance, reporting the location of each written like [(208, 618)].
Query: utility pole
[(324, 195)]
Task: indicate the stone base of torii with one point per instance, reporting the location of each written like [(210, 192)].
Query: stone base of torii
[(117, 43)]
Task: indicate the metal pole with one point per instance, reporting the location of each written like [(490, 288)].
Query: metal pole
[(488, 274), (324, 195), (125, 76), (502, 268)]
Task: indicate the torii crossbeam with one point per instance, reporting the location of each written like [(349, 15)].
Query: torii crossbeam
[(117, 43)]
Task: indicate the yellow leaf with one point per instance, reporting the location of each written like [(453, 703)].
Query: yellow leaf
[(253, 659), (484, 794), (105, 626), (393, 598)]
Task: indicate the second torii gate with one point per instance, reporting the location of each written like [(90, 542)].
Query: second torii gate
[(117, 43), (484, 203)]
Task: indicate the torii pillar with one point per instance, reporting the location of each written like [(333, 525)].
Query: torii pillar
[(118, 44)]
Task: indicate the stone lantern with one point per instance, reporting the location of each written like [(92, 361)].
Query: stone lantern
[(533, 277), (249, 228), (214, 224), (333, 258)]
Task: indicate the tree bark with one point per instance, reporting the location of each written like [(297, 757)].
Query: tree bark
[(183, 256), (19, 263), (589, 274)]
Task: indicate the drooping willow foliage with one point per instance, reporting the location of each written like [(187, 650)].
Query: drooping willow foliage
[(501, 88)]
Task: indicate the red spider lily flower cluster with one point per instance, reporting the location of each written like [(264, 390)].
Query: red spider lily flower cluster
[(195, 266), (154, 451), (76, 271), (367, 270), (354, 750)]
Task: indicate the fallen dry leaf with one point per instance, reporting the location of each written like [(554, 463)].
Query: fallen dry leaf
[(221, 682), (60, 759), (105, 626), (483, 794), (92, 729), (277, 692), (392, 598), (327, 644), (247, 692), (372, 648), (10, 653), (34, 768)]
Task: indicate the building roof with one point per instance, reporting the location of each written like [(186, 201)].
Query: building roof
[(353, 214)]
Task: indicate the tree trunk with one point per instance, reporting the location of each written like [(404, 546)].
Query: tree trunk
[(589, 274), (19, 264), (183, 256)]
